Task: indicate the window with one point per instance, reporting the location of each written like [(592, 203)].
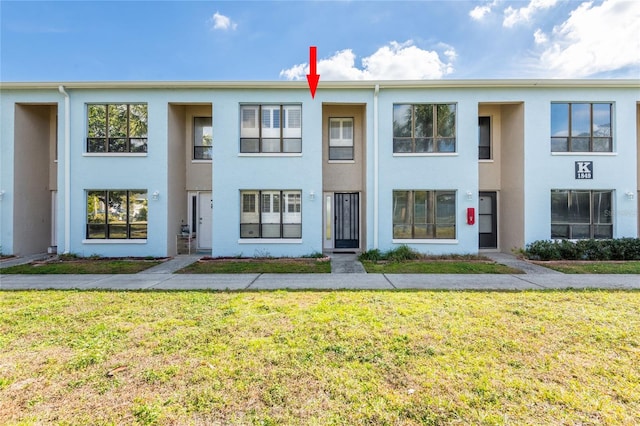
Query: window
[(341, 139), (424, 214), (202, 138), (424, 128), (271, 214), (117, 128), (117, 214), (484, 138), (581, 127), (579, 214), (271, 128)]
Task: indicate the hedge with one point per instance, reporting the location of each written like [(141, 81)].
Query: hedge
[(616, 249)]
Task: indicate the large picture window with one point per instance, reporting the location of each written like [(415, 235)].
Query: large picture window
[(271, 128), (271, 214), (580, 214), (341, 139), (202, 138), (117, 214), (424, 214), (581, 127), (424, 128), (117, 128)]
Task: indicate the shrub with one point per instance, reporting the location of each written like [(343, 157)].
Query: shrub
[(401, 254), (617, 249), (371, 255)]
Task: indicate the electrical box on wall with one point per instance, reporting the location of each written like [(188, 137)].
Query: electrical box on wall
[(471, 216)]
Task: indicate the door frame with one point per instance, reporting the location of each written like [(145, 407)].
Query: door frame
[(194, 215), (494, 219), (330, 222)]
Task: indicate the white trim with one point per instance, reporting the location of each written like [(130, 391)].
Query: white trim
[(424, 241), (270, 154), (587, 153), (425, 154), (201, 161), (114, 154), (486, 161), (270, 241), (113, 241), (341, 161), (376, 167)]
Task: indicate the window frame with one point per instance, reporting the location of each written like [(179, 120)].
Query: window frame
[(264, 139), (594, 224), (196, 145), (91, 141), (258, 218), (341, 143), (488, 146), (572, 139), (131, 226), (434, 140), (431, 199)]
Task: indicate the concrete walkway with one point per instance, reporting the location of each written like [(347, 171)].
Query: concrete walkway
[(160, 278), (346, 263)]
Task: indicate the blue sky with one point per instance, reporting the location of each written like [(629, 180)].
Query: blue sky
[(269, 40)]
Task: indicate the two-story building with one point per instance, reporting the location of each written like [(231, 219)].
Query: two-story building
[(262, 168)]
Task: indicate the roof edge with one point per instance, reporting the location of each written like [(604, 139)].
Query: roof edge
[(356, 84)]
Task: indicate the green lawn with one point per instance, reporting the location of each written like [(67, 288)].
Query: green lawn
[(438, 267), (577, 267), (83, 266), (318, 358), (259, 266)]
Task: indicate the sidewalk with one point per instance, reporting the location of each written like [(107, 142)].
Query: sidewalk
[(219, 282), (346, 275)]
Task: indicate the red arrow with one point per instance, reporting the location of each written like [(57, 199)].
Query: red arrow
[(314, 77)]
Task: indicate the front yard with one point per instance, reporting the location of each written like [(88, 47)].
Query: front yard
[(365, 357)]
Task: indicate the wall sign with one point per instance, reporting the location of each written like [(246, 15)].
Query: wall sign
[(584, 169)]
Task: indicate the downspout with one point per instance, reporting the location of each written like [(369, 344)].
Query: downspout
[(375, 166), (67, 170)]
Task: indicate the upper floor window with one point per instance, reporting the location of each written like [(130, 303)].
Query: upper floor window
[(202, 138), (424, 214), (581, 127), (117, 214), (484, 138), (424, 128), (341, 139), (117, 128), (581, 214), (271, 128)]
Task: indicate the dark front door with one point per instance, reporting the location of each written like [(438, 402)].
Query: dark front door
[(488, 220), (347, 220)]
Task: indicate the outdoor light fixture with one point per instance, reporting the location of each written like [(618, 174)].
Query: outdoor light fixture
[(312, 195), (1, 194), (629, 195), (469, 195), (155, 195)]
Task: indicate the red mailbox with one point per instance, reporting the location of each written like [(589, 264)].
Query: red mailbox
[(471, 216)]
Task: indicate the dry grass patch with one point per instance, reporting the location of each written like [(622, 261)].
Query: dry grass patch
[(592, 267), (305, 357)]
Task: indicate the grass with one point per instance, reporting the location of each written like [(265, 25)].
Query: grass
[(438, 267), (592, 267), (83, 266), (318, 358), (259, 265)]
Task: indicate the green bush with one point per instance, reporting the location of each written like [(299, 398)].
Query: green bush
[(399, 254), (370, 255), (617, 249)]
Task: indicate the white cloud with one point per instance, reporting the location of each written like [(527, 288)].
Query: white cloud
[(594, 39), (478, 13), (395, 61), (515, 16), (540, 37), (224, 23)]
